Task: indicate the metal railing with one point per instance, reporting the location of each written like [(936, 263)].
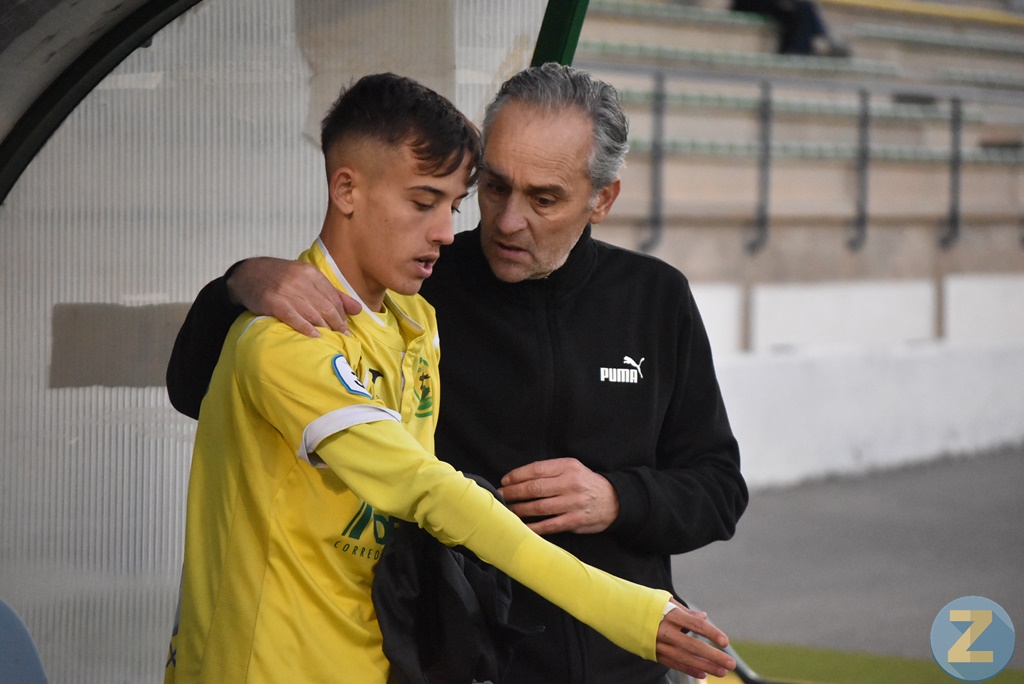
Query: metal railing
[(767, 147)]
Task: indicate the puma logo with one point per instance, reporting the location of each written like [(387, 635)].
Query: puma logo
[(628, 375), (630, 362)]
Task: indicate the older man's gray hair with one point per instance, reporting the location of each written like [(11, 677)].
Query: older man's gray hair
[(555, 87)]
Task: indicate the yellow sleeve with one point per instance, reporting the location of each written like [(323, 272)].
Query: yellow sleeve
[(389, 470)]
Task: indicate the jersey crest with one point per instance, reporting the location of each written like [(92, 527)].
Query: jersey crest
[(424, 394), (348, 378)]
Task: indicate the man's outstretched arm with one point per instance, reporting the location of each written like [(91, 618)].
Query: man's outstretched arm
[(293, 292)]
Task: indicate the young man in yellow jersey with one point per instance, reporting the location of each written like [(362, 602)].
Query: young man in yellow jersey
[(309, 450)]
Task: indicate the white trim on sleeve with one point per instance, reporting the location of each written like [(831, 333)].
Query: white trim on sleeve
[(336, 421)]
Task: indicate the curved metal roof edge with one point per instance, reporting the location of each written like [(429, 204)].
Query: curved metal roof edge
[(60, 98)]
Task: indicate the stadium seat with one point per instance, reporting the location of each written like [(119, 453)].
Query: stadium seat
[(951, 40), (19, 658)]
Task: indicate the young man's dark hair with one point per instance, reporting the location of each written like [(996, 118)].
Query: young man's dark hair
[(395, 110)]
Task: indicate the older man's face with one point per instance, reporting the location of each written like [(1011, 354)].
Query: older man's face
[(535, 194)]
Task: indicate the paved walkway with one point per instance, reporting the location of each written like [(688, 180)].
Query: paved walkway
[(865, 564)]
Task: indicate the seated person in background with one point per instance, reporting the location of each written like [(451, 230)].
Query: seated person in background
[(802, 30), (299, 438)]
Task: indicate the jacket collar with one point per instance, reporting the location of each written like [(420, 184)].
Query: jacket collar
[(566, 278)]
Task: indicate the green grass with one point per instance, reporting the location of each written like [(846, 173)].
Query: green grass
[(801, 665)]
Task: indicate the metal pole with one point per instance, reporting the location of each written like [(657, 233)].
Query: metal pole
[(657, 161), (860, 223), (764, 163), (953, 222)]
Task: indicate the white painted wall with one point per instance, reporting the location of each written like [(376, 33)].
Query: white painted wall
[(842, 313), (721, 308), (801, 416), (985, 308), (844, 378)]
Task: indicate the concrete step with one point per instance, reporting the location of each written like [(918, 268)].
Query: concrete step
[(814, 186), (729, 117), (734, 62), (664, 24)]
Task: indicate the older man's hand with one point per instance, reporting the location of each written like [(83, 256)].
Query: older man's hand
[(569, 496)]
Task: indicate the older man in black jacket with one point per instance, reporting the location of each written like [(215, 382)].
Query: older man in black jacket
[(577, 376)]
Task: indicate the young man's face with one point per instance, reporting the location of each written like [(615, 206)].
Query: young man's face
[(535, 192), (403, 216)]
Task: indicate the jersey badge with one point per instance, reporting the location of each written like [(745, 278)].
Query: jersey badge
[(348, 377)]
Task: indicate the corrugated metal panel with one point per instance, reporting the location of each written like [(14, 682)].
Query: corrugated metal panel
[(188, 157)]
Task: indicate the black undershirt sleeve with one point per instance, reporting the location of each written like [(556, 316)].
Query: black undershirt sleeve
[(198, 344)]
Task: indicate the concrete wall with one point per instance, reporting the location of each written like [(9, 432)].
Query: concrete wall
[(976, 309), (846, 377), (801, 416)]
